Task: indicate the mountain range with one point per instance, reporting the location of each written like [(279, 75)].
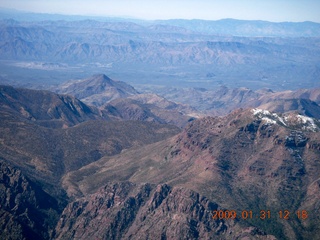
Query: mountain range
[(196, 130), (251, 159), (232, 27), (223, 100), (180, 105), (104, 176), (177, 52), (119, 100)]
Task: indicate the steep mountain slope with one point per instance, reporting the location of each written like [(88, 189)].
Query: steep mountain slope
[(249, 160), (26, 211), (44, 108), (145, 211), (43, 136), (50, 134), (120, 101), (97, 90)]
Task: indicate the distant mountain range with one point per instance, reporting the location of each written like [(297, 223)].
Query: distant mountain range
[(179, 52), (245, 28), (233, 27), (224, 100)]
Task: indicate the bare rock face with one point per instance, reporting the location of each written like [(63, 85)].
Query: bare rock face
[(144, 211), (269, 161), (26, 212)]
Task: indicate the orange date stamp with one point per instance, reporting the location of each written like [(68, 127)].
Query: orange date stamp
[(262, 214)]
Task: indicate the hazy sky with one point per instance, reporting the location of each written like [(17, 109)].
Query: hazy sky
[(271, 10)]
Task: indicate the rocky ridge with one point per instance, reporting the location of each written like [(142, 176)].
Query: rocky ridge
[(44, 108), (241, 161), (167, 185), (120, 101), (131, 109), (38, 147), (145, 211), (289, 120)]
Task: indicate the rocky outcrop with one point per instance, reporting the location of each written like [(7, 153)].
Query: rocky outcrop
[(249, 160), (143, 211), (26, 211)]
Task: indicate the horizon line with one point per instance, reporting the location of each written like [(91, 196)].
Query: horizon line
[(95, 17)]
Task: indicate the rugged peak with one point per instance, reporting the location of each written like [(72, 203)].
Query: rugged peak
[(268, 117), (97, 89), (290, 120), (100, 77), (93, 80)]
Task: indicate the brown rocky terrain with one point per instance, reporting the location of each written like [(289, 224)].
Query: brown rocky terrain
[(44, 108), (105, 179), (302, 106), (26, 211), (248, 160), (98, 159), (50, 151), (146, 211), (43, 136)]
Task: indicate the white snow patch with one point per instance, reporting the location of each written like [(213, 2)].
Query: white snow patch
[(279, 118), (267, 116), (257, 111), (268, 120), (306, 120), (291, 120)]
